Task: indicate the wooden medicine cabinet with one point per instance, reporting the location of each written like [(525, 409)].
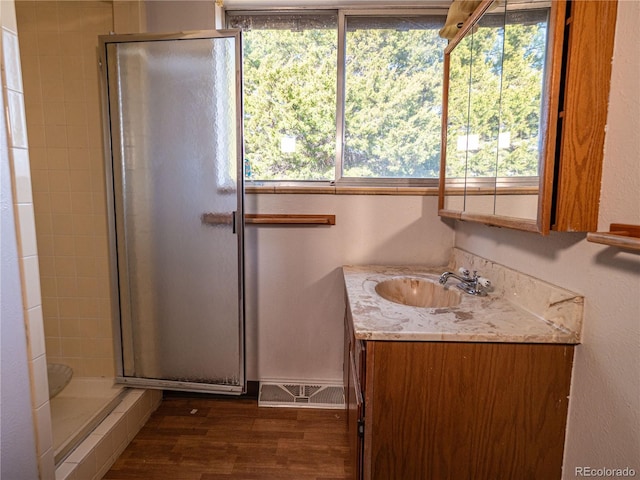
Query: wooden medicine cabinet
[(525, 97)]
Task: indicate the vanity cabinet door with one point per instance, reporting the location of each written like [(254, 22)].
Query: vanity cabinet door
[(355, 417), (458, 410), (354, 387)]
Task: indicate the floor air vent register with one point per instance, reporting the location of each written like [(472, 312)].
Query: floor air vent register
[(301, 396)]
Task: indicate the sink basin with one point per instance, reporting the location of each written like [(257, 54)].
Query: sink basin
[(416, 292)]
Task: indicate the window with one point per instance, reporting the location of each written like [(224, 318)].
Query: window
[(343, 96), (393, 97), (289, 74)]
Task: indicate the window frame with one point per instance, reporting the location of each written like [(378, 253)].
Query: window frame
[(340, 100), (343, 13)]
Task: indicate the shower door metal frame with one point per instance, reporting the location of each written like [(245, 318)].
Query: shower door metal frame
[(118, 274)]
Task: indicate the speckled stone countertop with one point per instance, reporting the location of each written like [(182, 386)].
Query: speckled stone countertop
[(554, 315)]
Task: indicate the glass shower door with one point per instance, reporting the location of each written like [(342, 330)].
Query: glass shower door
[(176, 215)]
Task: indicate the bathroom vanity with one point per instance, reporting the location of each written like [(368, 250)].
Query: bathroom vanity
[(477, 390)]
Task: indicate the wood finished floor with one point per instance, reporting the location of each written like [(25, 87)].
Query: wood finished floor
[(235, 439)]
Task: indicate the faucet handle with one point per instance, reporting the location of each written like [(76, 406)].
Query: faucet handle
[(485, 282), (464, 272)]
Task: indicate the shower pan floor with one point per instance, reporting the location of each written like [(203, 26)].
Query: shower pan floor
[(78, 409)]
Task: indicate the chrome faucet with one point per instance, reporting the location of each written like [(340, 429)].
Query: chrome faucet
[(473, 285)]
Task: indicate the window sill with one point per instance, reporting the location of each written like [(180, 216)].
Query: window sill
[(338, 190)]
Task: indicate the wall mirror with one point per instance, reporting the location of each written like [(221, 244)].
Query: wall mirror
[(497, 88)]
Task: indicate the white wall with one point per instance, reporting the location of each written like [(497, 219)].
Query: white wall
[(167, 16), (18, 458), (604, 408), (294, 284)]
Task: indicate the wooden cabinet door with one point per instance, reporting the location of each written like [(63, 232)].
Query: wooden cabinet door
[(353, 385), (481, 411), (355, 417)]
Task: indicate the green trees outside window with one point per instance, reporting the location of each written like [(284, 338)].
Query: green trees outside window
[(495, 97), (393, 83), (290, 96), (392, 91)]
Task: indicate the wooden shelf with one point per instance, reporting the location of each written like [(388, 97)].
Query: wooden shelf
[(214, 219), (619, 235), (288, 219)]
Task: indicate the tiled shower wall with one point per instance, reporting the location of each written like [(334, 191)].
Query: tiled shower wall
[(58, 42)]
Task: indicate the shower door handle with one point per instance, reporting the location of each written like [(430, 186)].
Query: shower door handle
[(215, 219)]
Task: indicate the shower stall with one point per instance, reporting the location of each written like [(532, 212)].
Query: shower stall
[(172, 108), (65, 156)]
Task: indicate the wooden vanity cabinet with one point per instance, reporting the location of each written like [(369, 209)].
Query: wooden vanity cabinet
[(456, 410)]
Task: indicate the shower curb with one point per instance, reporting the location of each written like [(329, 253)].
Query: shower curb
[(110, 438)]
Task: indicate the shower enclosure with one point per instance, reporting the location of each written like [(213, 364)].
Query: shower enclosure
[(174, 173)]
